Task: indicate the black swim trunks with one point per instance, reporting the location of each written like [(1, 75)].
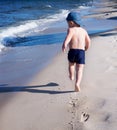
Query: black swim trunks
[(76, 56)]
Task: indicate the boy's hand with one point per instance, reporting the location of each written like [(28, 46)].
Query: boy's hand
[(63, 48)]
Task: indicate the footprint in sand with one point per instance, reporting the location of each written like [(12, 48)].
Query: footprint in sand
[(73, 103), (84, 117)]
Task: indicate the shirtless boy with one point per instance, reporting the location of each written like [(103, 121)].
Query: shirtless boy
[(78, 41)]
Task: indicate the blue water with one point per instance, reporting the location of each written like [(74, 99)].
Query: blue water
[(24, 22)]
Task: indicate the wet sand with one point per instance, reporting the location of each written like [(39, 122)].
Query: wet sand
[(47, 101)]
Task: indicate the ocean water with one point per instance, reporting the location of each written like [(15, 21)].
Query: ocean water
[(25, 22), (32, 31)]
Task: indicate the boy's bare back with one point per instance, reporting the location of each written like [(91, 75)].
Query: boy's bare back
[(77, 38)]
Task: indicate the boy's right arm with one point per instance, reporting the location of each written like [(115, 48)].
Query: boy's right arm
[(67, 40), (87, 41)]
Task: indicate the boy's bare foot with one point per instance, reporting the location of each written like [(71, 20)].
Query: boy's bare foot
[(77, 88)]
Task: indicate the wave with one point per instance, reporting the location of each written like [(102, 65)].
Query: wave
[(84, 7), (13, 34)]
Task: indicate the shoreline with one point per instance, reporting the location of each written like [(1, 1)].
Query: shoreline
[(47, 101), (50, 98), (19, 62), (87, 109)]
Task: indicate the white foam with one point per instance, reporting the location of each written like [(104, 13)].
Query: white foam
[(84, 7), (11, 34), (2, 47), (48, 6)]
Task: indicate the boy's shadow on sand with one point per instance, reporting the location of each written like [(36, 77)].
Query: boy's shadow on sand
[(32, 89)]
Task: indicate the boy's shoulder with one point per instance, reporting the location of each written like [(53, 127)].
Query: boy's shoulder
[(81, 29), (74, 30)]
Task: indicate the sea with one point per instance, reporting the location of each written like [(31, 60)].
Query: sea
[(32, 33), (35, 22)]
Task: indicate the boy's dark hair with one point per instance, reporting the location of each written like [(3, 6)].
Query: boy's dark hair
[(74, 16)]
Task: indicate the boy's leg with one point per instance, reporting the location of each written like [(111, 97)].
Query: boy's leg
[(79, 73), (71, 70)]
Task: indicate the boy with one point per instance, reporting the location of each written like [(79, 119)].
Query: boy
[(78, 40)]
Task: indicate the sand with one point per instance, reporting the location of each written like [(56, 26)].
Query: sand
[(47, 100)]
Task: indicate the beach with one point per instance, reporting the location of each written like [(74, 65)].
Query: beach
[(48, 101), (36, 93)]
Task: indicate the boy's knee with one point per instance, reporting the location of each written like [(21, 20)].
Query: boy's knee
[(80, 70), (79, 66)]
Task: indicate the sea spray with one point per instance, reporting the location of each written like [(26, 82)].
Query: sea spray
[(29, 28)]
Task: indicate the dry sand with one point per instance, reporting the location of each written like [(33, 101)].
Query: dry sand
[(49, 103)]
